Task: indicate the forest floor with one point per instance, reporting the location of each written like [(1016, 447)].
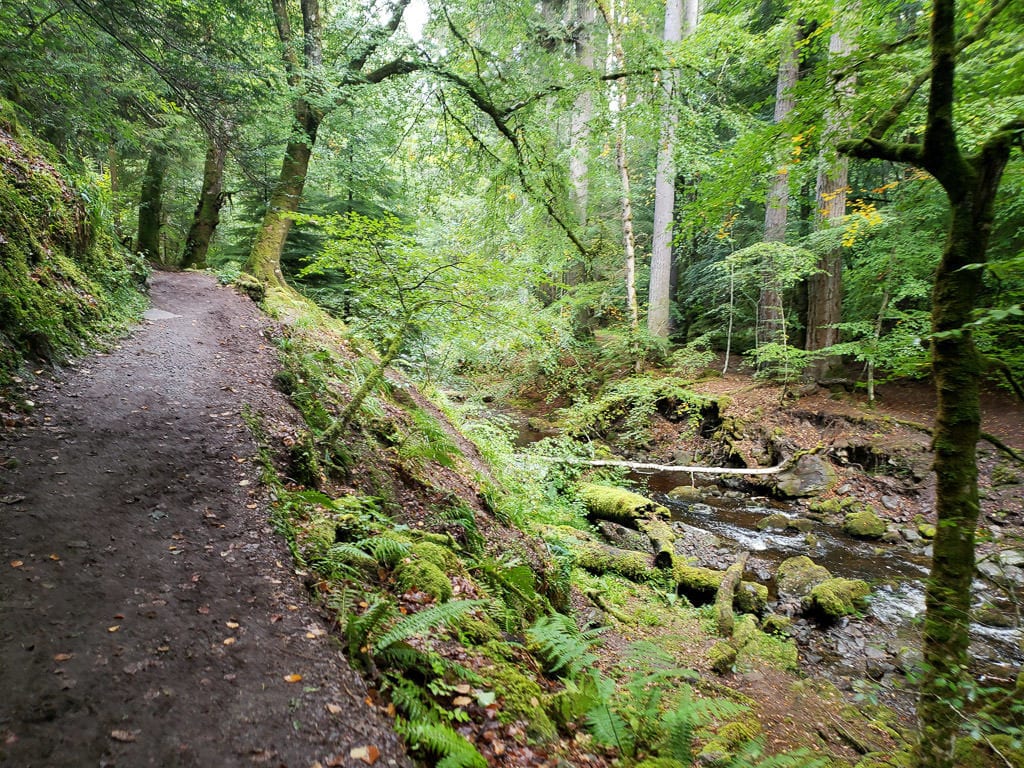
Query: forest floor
[(150, 615)]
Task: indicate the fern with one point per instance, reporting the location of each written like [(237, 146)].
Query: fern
[(386, 550), (441, 742), (443, 614), (410, 699), (563, 647), (343, 561), (359, 628), (608, 728)]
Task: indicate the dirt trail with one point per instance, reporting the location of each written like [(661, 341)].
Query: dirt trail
[(148, 615)]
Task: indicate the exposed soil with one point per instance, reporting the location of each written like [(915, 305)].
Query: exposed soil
[(150, 615)]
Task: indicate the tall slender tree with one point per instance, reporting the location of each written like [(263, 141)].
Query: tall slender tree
[(770, 319), (680, 19)]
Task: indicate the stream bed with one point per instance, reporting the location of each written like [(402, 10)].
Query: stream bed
[(882, 645)]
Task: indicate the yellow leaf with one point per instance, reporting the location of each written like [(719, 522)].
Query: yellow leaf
[(122, 736), (292, 678), (334, 709), (232, 625), (62, 656), (17, 563), (462, 701), (229, 640), (114, 628)]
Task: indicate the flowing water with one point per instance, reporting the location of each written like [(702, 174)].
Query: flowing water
[(896, 574)]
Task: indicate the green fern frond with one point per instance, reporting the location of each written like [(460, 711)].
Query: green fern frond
[(411, 701), (386, 551), (563, 647), (443, 614), (679, 729), (441, 742), (608, 728), (359, 628)]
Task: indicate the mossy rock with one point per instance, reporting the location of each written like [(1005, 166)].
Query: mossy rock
[(864, 523), (608, 502), (757, 648), (797, 576), (722, 656), (685, 493), (521, 698), (751, 597), (602, 558), (441, 556), (777, 624), (838, 597), (317, 535), (251, 287), (423, 576), (722, 747), (994, 751), (832, 507), (926, 530), (810, 476), (661, 762)]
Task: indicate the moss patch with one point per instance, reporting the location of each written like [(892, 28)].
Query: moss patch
[(839, 597), (864, 523), (797, 576)]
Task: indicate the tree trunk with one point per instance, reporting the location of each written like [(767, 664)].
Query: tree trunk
[(211, 199), (579, 157), (769, 304), (957, 367), (660, 287), (825, 289), (971, 183), (618, 104), (264, 261), (151, 204)]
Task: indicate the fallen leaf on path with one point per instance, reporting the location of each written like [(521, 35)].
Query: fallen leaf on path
[(251, 506), (55, 557), (122, 736), (11, 499), (118, 616), (334, 709), (17, 563), (334, 762), (63, 656), (229, 640), (463, 688), (231, 625), (276, 618), (462, 701), (262, 755), (368, 754), (114, 628), (203, 609), (292, 678), (243, 483)]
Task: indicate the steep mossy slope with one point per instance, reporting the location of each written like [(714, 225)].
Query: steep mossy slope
[(63, 280)]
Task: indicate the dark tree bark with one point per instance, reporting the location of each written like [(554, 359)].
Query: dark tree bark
[(151, 204), (971, 183), (211, 200)]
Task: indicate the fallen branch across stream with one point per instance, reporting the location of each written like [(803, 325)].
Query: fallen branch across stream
[(643, 467)]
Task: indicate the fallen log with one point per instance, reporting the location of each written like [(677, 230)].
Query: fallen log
[(645, 467), (662, 540), (731, 580), (608, 502)]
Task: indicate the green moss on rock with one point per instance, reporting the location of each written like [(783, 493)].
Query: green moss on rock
[(520, 698), (423, 576), (864, 523), (994, 751), (797, 576), (722, 656), (838, 597)]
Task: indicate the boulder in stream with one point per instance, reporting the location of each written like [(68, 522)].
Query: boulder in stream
[(797, 576), (810, 476), (864, 523), (835, 598), (685, 493)]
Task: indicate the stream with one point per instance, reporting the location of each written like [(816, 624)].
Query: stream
[(881, 645)]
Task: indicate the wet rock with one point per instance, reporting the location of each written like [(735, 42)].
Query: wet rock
[(781, 522), (811, 476), (797, 576), (1012, 557), (910, 534), (624, 537), (864, 523), (891, 503), (685, 493)]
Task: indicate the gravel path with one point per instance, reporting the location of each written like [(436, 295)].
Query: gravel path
[(149, 616)]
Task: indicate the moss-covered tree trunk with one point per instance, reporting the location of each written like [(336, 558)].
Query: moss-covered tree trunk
[(151, 204), (211, 199), (265, 257), (971, 183)]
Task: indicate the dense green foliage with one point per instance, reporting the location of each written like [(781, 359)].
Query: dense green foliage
[(63, 279)]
